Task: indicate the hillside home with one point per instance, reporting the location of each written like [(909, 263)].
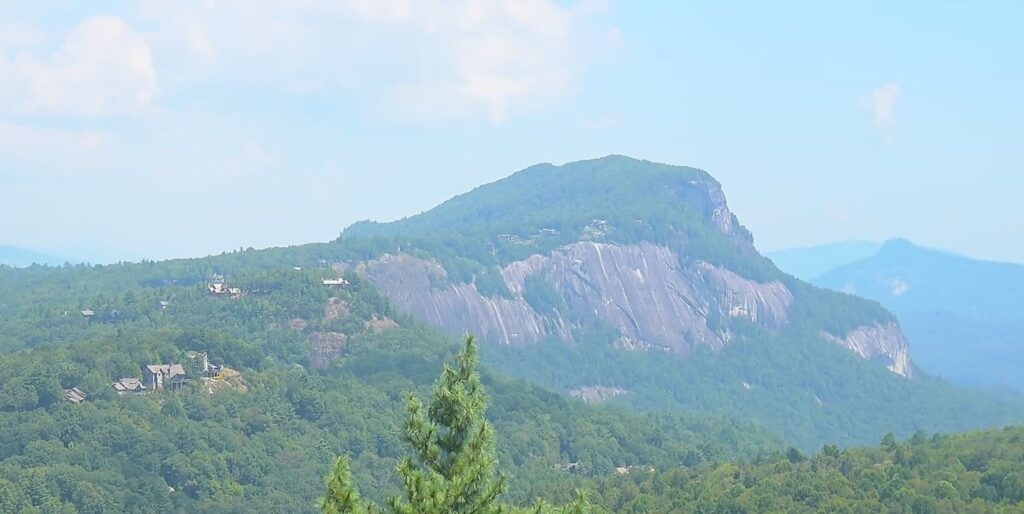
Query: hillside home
[(74, 395), (164, 376), (335, 282), (129, 386), (88, 313)]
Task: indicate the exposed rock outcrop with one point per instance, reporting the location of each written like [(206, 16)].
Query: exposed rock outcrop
[(325, 346), (643, 291), (421, 288), (884, 343), (336, 308), (596, 394)]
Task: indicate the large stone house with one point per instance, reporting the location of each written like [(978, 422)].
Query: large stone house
[(164, 376)]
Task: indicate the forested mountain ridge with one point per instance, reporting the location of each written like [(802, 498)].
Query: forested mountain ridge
[(650, 249), (261, 441), (613, 262)]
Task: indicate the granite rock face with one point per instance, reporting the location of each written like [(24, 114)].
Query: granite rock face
[(652, 297), (883, 343), (643, 291)]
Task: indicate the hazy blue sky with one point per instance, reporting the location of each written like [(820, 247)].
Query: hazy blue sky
[(160, 129)]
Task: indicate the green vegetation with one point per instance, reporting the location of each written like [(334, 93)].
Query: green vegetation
[(324, 371), (454, 470), (263, 443), (981, 472), (810, 391), (543, 207)]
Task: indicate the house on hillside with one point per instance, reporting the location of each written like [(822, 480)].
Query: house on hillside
[(88, 313), (164, 376), (74, 395), (129, 386), (219, 288), (335, 282)]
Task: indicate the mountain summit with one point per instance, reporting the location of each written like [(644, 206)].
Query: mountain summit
[(963, 315), (648, 252)]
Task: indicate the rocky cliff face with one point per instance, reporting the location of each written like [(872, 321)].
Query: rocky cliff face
[(643, 291), (652, 297), (883, 343)]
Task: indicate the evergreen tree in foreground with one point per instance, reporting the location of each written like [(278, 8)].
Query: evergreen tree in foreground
[(454, 469)]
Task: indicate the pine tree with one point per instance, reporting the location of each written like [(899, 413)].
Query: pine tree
[(454, 466)]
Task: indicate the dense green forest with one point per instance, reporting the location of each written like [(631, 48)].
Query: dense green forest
[(978, 472), (262, 441), (810, 391)]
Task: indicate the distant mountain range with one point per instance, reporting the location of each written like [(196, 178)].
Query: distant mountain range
[(964, 317), (808, 263), (21, 257)]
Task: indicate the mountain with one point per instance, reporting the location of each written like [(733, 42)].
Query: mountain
[(617, 274), (965, 317), (648, 250), (20, 257), (306, 372), (572, 273), (809, 262)]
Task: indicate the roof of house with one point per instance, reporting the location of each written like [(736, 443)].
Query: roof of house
[(74, 395), (128, 384), (171, 370)]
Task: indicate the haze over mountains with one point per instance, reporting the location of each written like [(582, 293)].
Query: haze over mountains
[(964, 317), (626, 283), (20, 257), (808, 263)]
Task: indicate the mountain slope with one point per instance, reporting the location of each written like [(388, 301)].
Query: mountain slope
[(584, 276), (321, 371), (975, 472), (651, 250), (964, 316), (809, 262)]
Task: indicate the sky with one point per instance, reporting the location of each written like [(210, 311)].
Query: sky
[(156, 129)]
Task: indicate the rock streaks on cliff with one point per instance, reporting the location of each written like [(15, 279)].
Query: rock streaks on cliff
[(881, 342), (644, 291)]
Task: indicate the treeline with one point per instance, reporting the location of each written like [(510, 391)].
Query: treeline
[(979, 472), (263, 442)]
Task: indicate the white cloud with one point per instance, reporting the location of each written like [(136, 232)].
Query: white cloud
[(421, 60), (883, 104), (26, 148), (17, 35), (103, 67)]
